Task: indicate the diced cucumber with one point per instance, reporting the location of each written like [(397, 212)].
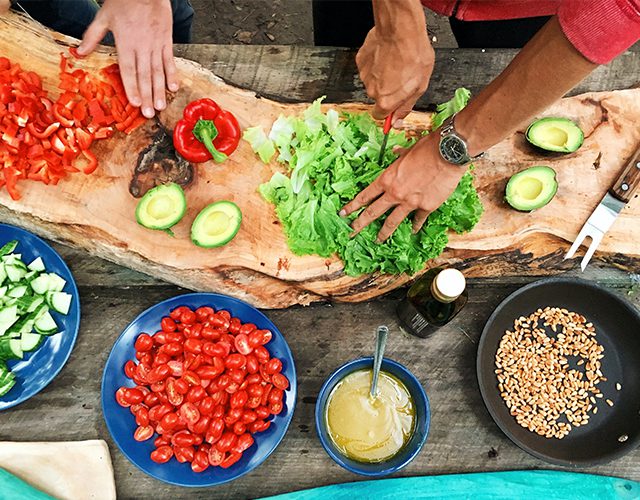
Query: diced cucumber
[(10, 348), (56, 283), (40, 285), (45, 324), (14, 260), (31, 275), (59, 301), (18, 291), (8, 316), (15, 273), (36, 302), (8, 248), (30, 341), (3, 274), (6, 387), (3, 289), (37, 265), (29, 303)]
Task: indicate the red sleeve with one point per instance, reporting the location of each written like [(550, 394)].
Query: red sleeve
[(600, 29)]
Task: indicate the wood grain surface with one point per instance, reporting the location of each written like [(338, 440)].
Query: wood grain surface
[(96, 212), (463, 438)]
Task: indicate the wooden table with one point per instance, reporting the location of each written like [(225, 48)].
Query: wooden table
[(463, 437)]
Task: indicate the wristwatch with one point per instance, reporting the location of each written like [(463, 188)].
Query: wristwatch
[(453, 147)]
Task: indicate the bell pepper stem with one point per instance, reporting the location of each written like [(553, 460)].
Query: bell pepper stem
[(206, 131)]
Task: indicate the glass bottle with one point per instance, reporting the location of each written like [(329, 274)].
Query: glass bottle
[(432, 301)]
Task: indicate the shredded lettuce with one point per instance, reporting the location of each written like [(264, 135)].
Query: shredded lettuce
[(331, 158), (260, 143)]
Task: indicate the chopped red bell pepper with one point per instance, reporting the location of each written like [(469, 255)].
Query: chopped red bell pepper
[(206, 132), (43, 140)]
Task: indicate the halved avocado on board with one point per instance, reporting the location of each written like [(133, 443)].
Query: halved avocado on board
[(216, 225), (162, 207), (532, 188), (559, 135)]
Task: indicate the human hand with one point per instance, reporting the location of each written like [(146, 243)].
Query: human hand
[(143, 31), (5, 5), (395, 70), (418, 180)]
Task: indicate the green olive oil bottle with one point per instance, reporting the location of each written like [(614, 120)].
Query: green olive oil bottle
[(432, 301)]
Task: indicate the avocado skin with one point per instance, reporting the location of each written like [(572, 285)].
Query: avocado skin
[(171, 189), (546, 175), (225, 238), (569, 126)]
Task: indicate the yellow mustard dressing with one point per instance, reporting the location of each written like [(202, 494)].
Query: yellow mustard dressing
[(367, 429)]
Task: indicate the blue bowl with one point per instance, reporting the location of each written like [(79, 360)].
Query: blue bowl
[(410, 450), (38, 368), (121, 422)]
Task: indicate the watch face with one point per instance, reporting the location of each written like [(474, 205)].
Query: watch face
[(454, 150)]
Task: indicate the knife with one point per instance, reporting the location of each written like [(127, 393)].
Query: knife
[(607, 211), (385, 130)]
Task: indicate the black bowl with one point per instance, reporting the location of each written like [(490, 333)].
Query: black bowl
[(613, 431)]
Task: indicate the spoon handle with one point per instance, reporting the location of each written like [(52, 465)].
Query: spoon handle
[(381, 341)]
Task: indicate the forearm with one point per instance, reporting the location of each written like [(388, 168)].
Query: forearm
[(399, 18), (545, 70)]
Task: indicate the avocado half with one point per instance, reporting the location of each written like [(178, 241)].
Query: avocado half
[(162, 207), (216, 225), (532, 188), (559, 135)]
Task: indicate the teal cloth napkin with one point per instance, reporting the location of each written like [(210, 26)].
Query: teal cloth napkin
[(13, 488), (530, 485)]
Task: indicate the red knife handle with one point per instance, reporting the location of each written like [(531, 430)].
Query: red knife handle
[(629, 180), (388, 123)]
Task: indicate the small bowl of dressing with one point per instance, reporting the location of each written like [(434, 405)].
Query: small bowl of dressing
[(372, 437)]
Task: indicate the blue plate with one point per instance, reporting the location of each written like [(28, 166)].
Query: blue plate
[(121, 423), (38, 368)]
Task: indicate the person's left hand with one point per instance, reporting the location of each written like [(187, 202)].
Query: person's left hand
[(420, 180), (143, 31)]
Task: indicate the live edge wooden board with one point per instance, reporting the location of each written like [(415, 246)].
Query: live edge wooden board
[(96, 212)]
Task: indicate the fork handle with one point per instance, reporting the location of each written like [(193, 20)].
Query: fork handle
[(629, 180)]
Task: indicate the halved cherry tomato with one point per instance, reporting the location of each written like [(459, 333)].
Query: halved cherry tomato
[(245, 441), (129, 368), (274, 365), (215, 456), (184, 454), (143, 433), (162, 454), (242, 344), (280, 381), (143, 343), (120, 397), (167, 324)]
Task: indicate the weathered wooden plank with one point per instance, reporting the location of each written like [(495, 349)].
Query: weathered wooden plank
[(304, 73), (321, 337), (93, 271)]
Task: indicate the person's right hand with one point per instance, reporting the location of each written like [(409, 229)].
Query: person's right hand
[(395, 70), (143, 31), (4, 6)]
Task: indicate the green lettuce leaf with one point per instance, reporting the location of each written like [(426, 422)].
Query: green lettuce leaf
[(330, 159), (450, 108), (260, 143)]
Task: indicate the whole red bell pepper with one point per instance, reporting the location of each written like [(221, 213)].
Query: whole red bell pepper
[(206, 132)]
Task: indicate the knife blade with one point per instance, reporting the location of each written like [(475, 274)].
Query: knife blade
[(385, 130), (42, 27), (605, 214)]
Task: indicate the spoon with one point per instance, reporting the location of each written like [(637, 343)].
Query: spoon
[(381, 341)]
